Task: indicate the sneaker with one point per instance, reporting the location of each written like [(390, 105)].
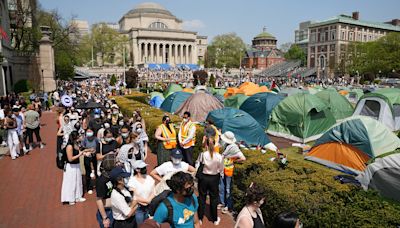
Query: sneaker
[(90, 192), (80, 200), (71, 203), (30, 148), (218, 221), (41, 146), (225, 210), (25, 150), (220, 206)]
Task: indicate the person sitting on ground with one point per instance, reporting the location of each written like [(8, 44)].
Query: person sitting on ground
[(183, 201), (251, 216), (176, 164), (287, 220)]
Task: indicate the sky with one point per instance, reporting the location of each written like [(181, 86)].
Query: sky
[(244, 17)]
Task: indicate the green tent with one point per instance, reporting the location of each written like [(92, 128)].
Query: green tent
[(350, 144), (220, 92), (354, 95), (235, 101), (172, 88), (314, 90), (174, 101), (338, 104), (241, 124), (156, 94), (260, 106), (289, 91), (302, 118)]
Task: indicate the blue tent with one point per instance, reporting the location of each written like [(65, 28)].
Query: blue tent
[(260, 106), (174, 101), (188, 66), (153, 66), (241, 124), (156, 101)]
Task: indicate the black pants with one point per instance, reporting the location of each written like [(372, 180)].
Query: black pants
[(30, 132), (87, 161), (60, 140), (209, 183), (128, 223), (187, 155)]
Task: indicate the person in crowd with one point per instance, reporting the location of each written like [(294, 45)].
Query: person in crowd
[(107, 145), (96, 122), (183, 201), (100, 132), (104, 188), (209, 125), (71, 190), (37, 105), (175, 165), (3, 136), (20, 130), (231, 154), (287, 220), (122, 203), (142, 186), (166, 135), (123, 136), (187, 138), (32, 124), (89, 144), (10, 124), (213, 169), (142, 140), (250, 215)]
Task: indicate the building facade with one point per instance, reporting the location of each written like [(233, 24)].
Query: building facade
[(156, 36), (301, 35), (328, 40), (263, 52), (79, 29)]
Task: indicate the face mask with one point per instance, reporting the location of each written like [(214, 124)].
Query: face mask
[(176, 161), (139, 130), (121, 123), (96, 116), (124, 135), (115, 112), (143, 171), (106, 125), (108, 139), (167, 121), (89, 134), (185, 120)]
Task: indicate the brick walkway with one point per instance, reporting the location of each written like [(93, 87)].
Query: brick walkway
[(30, 190)]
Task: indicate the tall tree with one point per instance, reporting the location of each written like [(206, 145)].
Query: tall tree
[(225, 50), (296, 53)]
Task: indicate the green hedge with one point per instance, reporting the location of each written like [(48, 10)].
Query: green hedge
[(310, 189), (153, 117)]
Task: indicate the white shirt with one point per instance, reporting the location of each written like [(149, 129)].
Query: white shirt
[(119, 206), (168, 167), (2, 114), (142, 190)]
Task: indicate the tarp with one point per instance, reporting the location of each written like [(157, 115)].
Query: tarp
[(154, 94), (260, 107), (241, 124), (247, 88), (199, 105), (172, 102), (340, 107), (301, 118), (235, 101), (349, 145), (383, 175), (172, 88), (156, 101)]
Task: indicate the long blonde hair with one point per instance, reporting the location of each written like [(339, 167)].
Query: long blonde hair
[(210, 145)]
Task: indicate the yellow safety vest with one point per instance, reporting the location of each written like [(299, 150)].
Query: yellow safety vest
[(228, 166), (185, 133), (216, 148), (166, 133)]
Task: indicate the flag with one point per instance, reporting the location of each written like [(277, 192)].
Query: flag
[(3, 34), (274, 87)]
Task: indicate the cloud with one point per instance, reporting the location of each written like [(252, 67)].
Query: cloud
[(193, 24)]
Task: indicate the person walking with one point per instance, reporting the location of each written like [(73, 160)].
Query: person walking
[(10, 124), (212, 170), (71, 190), (187, 138), (32, 123), (166, 135)]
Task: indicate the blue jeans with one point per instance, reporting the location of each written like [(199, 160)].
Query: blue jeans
[(142, 213), (109, 215), (225, 191)]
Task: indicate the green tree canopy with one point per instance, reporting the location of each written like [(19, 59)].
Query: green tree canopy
[(225, 50), (296, 53)]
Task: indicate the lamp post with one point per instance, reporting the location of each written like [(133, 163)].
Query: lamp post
[(42, 80)]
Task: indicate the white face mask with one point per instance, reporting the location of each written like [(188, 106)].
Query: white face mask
[(176, 161), (96, 116), (106, 125), (185, 120), (125, 135), (121, 123), (139, 130)]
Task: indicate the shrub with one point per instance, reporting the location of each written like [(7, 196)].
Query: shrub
[(22, 86), (113, 80), (131, 78), (153, 117), (311, 190)]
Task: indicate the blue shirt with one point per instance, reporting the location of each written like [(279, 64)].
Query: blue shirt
[(183, 212)]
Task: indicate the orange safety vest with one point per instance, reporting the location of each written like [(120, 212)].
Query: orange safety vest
[(185, 133), (228, 167), (216, 148), (165, 133)]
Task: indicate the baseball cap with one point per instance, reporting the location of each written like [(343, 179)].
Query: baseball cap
[(176, 153), (139, 164), (118, 172)]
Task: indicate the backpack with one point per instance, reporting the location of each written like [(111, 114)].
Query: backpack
[(61, 158), (163, 198)]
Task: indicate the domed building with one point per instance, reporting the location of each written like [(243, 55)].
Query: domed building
[(156, 36), (263, 52)]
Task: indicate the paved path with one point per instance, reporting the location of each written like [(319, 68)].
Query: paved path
[(30, 190)]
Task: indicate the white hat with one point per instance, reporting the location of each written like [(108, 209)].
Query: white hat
[(228, 137), (139, 164)]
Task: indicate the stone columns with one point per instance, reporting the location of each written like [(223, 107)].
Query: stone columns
[(163, 53), (175, 53), (47, 65), (181, 54), (151, 58), (145, 60), (157, 53), (187, 54), (169, 53), (139, 56)]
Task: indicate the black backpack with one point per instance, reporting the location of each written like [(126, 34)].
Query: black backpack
[(163, 198), (61, 158)]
